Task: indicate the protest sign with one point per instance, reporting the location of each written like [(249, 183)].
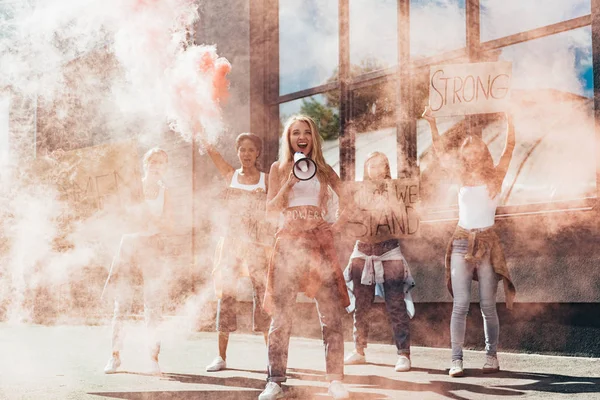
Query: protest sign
[(464, 89)]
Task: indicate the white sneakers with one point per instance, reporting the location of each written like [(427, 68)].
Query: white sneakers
[(218, 364), (113, 365), (457, 369), (115, 362), (403, 364), (491, 365), (272, 392), (355, 358), (338, 391)]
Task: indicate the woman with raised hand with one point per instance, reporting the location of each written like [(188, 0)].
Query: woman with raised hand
[(475, 251), (237, 256)]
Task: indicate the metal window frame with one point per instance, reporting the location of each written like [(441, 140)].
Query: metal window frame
[(264, 16)]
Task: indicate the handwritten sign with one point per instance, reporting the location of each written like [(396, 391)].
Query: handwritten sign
[(382, 210), (247, 216), (463, 89), (90, 179)]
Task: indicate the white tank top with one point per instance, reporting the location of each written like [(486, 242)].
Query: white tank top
[(476, 210), (156, 205), (237, 185), (305, 193)]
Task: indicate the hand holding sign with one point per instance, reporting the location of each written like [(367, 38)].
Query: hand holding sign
[(464, 89), (381, 210)]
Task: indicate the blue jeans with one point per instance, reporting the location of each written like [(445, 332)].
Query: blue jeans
[(462, 275), (394, 298), (288, 279)]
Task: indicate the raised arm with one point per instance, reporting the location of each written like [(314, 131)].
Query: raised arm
[(507, 153), (436, 139), (225, 169), (277, 196), (446, 160)]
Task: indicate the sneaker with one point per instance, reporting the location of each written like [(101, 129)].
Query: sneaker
[(113, 364), (272, 392), (218, 364), (338, 391), (457, 369), (355, 358), (403, 364), (491, 365)]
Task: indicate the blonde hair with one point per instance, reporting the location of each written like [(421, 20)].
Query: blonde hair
[(388, 172), (152, 153), (286, 152)]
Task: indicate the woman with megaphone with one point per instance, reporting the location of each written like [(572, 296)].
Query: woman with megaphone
[(237, 256), (304, 258)]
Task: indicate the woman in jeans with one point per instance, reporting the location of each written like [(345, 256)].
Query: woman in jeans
[(475, 252), (379, 263), (304, 257)]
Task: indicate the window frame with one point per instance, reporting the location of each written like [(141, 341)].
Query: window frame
[(264, 32)]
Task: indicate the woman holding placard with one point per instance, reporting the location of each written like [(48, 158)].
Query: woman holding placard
[(237, 256), (304, 258), (475, 252), (380, 263), (140, 255)]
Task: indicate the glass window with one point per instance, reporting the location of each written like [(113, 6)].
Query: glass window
[(373, 34), (308, 43), (373, 118), (553, 86), (498, 17), (554, 158), (436, 26)]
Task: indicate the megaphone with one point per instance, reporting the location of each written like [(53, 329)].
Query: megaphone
[(304, 167)]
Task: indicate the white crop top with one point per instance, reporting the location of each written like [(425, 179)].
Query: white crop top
[(305, 193), (156, 205), (476, 210), (237, 185)]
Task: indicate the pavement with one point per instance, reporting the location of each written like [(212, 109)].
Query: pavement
[(66, 362)]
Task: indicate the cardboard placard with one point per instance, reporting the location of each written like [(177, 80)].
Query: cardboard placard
[(92, 178), (464, 89), (247, 219), (381, 210)]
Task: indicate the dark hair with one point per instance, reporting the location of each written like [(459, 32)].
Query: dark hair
[(485, 165), (388, 174), (255, 139)]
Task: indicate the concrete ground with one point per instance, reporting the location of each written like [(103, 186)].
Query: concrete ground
[(66, 362)]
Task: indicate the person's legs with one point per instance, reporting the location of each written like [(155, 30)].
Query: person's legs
[(226, 323), (395, 305), (287, 270), (461, 275), (364, 295), (122, 307), (330, 316), (257, 266), (488, 287)]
